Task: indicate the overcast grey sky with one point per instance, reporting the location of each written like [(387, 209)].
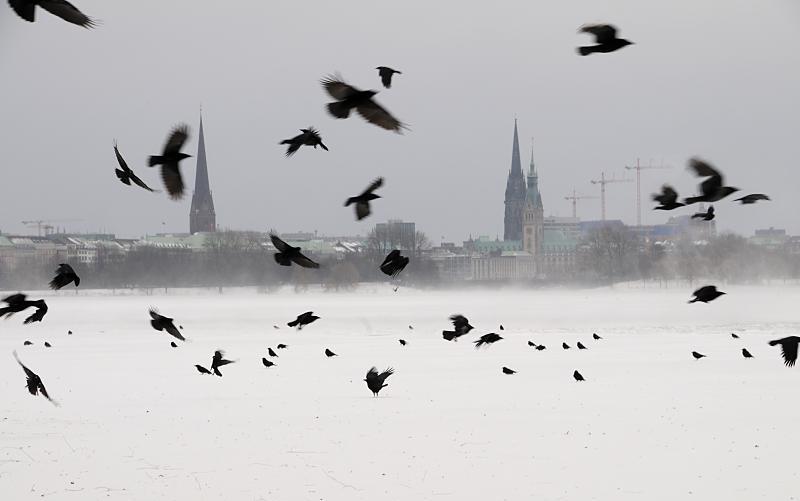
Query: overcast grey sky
[(719, 79)]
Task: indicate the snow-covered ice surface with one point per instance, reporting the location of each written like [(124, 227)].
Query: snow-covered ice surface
[(138, 422)]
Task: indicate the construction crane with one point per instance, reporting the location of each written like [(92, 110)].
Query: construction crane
[(639, 168), (575, 199), (43, 224), (603, 182)]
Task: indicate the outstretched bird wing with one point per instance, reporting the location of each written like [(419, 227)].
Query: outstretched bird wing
[(121, 161), (34, 382), (788, 350), (334, 85), (603, 33), (15, 299), (383, 375), (280, 244), (703, 169), (376, 114), (25, 9), (668, 195), (139, 182), (362, 210), (173, 331), (38, 315), (372, 187), (176, 139), (173, 180), (67, 12), (304, 261)]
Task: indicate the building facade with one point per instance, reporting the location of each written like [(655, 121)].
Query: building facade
[(202, 217)]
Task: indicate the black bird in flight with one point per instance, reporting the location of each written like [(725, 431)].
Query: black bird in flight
[(309, 137), (506, 370), (160, 323), (487, 339), (708, 215), (27, 343), (281, 346), (201, 369), (712, 189), (394, 263), (697, 356), (47, 345), (461, 325), (540, 347), (668, 198), (287, 254), (578, 376), (595, 336), (706, 294), (303, 319), (125, 174), (26, 9), (386, 75), (329, 353), (173, 344), (581, 346), (218, 361), (746, 354), (788, 349), (362, 201), (271, 352), (403, 342), (531, 344), (19, 302), (34, 382), (734, 335), (605, 35), (349, 98), (752, 198), (565, 346), (64, 276), (267, 363), (169, 161), (375, 381)]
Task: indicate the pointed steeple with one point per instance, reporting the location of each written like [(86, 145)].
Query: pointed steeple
[(532, 166), (516, 164), (202, 216), (532, 192), (515, 193)]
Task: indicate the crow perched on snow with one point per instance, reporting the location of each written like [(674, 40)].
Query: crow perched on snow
[(349, 98), (540, 347), (169, 161), (362, 200), (303, 319), (281, 346), (531, 344), (411, 327), (34, 382), (173, 344), (668, 198), (267, 363), (64, 275), (708, 215), (386, 75), (605, 36), (287, 254), (595, 336), (47, 345), (394, 263), (375, 381), (160, 323), (19, 302), (309, 137), (746, 354), (706, 294), (578, 376), (218, 361), (461, 325), (271, 352), (487, 339), (27, 343), (712, 189), (506, 370), (125, 174), (752, 198), (403, 342), (329, 353), (581, 346), (734, 335), (565, 346), (26, 9), (697, 356), (788, 349), (202, 370)]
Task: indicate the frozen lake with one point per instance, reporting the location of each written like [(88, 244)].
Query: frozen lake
[(138, 422)]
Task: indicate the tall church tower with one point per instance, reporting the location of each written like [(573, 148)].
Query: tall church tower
[(202, 216), (533, 215), (515, 194)]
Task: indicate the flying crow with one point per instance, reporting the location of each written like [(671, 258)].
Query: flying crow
[(386, 75), (303, 319), (34, 382), (376, 381), (218, 361), (394, 263), (26, 9), (125, 174), (64, 275), (712, 189), (706, 294), (19, 302), (752, 198), (461, 326), (668, 198), (160, 323), (487, 339), (605, 36), (362, 200), (708, 215), (309, 137), (287, 254), (349, 98), (788, 349), (170, 159)]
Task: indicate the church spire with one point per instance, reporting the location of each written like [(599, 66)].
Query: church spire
[(532, 167), (516, 164), (202, 216)]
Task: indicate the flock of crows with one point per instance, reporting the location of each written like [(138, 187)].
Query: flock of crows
[(346, 100)]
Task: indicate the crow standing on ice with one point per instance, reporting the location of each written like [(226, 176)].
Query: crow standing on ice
[(169, 161), (267, 363), (202, 370), (375, 381), (540, 347), (271, 352), (565, 346), (303, 319), (26, 9), (531, 344), (125, 174), (34, 382), (595, 336), (668, 198), (606, 37), (218, 361), (19, 302), (349, 98), (403, 342), (506, 370), (27, 343), (752, 198), (47, 345), (706, 294), (64, 275), (461, 326), (309, 137), (287, 254), (173, 344), (281, 346), (788, 349), (746, 354), (708, 215), (386, 75), (712, 189), (394, 263), (697, 356), (160, 323), (487, 339), (734, 335), (581, 346), (362, 201), (578, 376), (329, 353)]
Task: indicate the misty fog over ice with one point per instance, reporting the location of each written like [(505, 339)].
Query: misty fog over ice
[(137, 421)]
